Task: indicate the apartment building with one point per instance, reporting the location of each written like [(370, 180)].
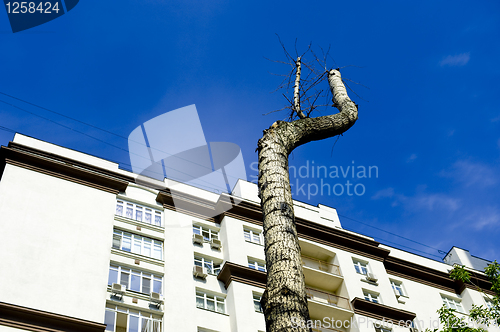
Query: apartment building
[(86, 246)]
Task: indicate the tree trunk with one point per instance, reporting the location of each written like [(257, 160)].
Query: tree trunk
[(284, 301)]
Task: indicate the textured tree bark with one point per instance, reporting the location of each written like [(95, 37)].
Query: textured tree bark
[(284, 301)]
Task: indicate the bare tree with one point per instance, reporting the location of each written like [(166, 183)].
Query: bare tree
[(284, 301)]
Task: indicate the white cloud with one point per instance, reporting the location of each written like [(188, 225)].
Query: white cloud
[(411, 158), (384, 193), (455, 60), (472, 173), (485, 217), (433, 202), (421, 201)]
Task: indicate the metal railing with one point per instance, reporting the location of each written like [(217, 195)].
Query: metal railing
[(328, 298), (320, 265)]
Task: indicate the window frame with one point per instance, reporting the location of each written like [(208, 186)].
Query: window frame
[(208, 264), (371, 296), (256, 265), (137, 208), (142, 316), (212, 234), (457, 303), (398, 284), (256, 302), (216, 299), (252, 235), (121, 270), (135, 241), (361, 267)]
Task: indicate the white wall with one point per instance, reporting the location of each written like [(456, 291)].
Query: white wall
[(55, 244)]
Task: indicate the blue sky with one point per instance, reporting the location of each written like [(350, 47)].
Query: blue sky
[(429, 119)]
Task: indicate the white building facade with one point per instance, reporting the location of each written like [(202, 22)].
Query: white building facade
[(86, 246)]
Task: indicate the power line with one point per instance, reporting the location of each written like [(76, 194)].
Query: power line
[(402, 237), (102, 141), (103, 130)]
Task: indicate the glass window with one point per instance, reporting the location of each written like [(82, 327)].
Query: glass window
[(210, 302), (397, 287), (252, 236), (141, 245), (360, 267), (256, 302), (253, 264), (113, 275), (208, 264), (453, 304), (119, 208), (139, 213), (372, 297), (120, 319), (207, 233), (109, 320), (137, 281)]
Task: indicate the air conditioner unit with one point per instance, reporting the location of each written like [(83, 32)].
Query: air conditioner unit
[(199, 272), (198, 238), (396, 293), (118, 290), (371, 277), (216, 244), (156, 299)]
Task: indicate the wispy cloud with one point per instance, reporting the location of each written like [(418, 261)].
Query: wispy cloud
[(455, 60), (472, 173), (411, 158), (384, 193), (488, 216), (420, 201)]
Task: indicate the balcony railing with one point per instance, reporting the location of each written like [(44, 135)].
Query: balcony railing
[(320, 265), (328, 298)]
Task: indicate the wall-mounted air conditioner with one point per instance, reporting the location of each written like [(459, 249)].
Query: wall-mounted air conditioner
[(216, 244), (156, 299), (118, 290), (198, 239), (371, 277), (199, 272)]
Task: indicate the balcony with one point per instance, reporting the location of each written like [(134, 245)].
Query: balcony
[(320, 274), (322, 304)]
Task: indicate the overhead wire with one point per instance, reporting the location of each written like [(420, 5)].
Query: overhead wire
[(125, 150)]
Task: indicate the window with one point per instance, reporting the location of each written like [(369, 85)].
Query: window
[(135, 280), (207, 233), (253, 264), (382, 329), (137, 244), (208, 264), (210, 302), (397, 286), (372, 297), (120, 319), (361, 267), (139, 213), (452, 304), (489, 303), (256, 302), (252, 236)]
